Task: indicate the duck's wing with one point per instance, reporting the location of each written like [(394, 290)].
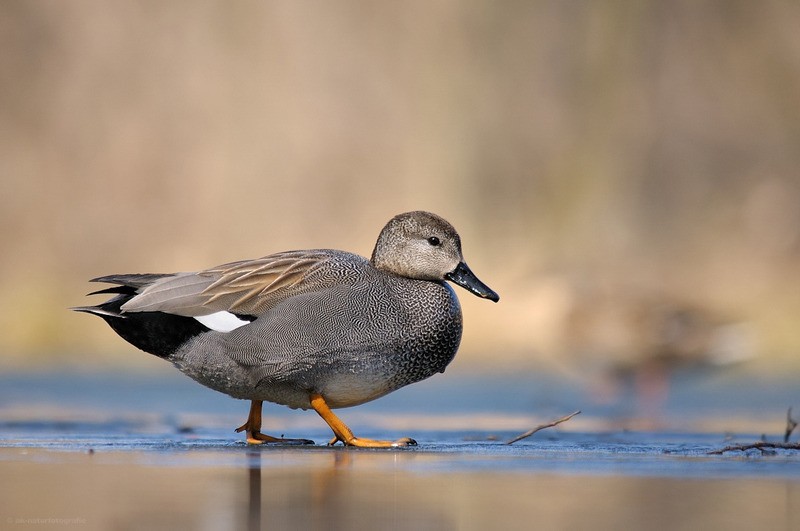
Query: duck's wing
[(248, 287)]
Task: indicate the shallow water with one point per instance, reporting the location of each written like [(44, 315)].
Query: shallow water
[(153, 451)]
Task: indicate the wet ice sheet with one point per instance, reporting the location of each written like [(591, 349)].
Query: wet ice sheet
[(624, 453), (105, 451), (460, 419)]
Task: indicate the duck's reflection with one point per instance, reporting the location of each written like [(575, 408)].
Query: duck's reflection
[(254, 489), (333, 489)]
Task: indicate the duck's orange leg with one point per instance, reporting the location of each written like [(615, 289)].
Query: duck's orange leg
[(342, 433), (253, 428)]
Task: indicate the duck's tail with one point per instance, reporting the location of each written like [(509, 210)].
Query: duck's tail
[(157, 333)]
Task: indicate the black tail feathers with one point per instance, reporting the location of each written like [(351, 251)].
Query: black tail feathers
[(157, 333)]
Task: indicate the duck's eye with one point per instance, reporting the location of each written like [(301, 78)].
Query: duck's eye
[(433, 240)]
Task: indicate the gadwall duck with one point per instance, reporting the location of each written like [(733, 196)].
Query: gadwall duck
[(320, 329)]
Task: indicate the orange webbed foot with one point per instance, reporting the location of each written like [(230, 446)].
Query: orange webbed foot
[(252, 428), (344, 434)]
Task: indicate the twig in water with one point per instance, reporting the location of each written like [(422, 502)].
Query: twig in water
[(791, 424), (541, 427), (761, 445)]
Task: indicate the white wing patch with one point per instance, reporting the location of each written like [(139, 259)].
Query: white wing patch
[(221, 321)]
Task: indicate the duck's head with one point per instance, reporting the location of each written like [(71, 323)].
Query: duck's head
[(424, 246)]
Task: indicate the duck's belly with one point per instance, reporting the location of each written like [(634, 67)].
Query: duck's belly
[(339, 391), (345, 387), (346, 390)]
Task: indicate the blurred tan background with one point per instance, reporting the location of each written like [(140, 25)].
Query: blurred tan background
[(625, 174)]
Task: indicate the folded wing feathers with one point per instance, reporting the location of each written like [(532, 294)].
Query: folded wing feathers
[(230, 287), (180, 294), (257, 278)]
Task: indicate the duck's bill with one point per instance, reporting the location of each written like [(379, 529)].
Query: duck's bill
[(464, 277)]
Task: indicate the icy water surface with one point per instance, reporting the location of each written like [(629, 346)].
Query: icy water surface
[(156, 451)]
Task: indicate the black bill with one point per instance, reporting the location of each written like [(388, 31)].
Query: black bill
[(464, 277)]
